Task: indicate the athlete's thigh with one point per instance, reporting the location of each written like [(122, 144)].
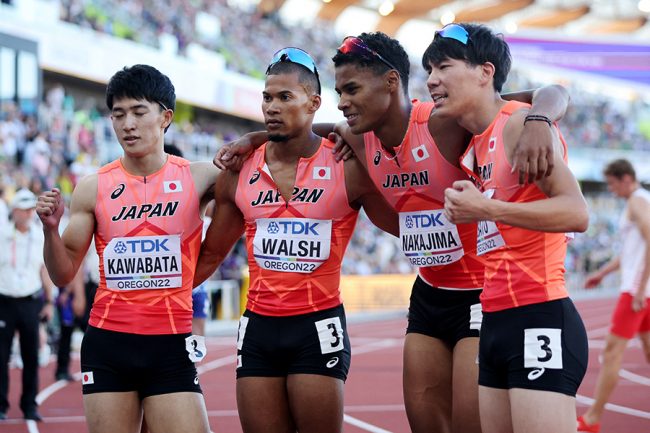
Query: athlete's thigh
[(176, 412), (465, 414), (645, 341), (109, 412), (494, 406), (263, 405), (536, 411), (316, 402), (427, 376)]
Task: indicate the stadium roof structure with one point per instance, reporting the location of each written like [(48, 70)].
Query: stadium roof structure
[(588, 17)]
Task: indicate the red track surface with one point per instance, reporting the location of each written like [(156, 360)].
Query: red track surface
[(373, 391)]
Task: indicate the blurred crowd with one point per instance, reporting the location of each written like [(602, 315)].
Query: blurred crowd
[(243, 36)]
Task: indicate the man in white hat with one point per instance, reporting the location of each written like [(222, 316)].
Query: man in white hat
[(25, 298)]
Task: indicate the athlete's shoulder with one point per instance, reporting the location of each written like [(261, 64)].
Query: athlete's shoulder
[(178, 161), (113, 165)]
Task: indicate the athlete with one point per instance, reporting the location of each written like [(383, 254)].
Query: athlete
[(144, 212), (298, 209), (632, 313), (412, 156), (533, 347)]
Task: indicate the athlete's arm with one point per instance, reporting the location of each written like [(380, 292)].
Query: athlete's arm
[(231, 155), (362, 192), (225, 229), (565, 209), (533, 156), (64, 254), (204, 175), (593, 279), (640, 215)]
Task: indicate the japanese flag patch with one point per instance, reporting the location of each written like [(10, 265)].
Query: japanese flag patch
[(170, 186), (87, 378), (324, 173), (420, 153)]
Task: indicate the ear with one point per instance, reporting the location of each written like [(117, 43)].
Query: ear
[(487, 73), (314, 103), (168, 116), (393, 80)]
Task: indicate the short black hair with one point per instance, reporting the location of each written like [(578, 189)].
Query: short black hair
[(389, 48), (482, 46), (619, 168), (305, 77), (141, 82)]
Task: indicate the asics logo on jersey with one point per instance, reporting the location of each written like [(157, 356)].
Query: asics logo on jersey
[(254, 178), (196, 380), (377, 158), (332, 362), (118, 191), (536, 374)]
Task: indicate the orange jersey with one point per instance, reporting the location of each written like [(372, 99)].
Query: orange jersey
[(148, 236), (295, 248), (524, 266), (413, 182)]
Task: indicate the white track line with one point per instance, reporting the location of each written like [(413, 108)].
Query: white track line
[(633, 377), (614, 407), (363, 425)]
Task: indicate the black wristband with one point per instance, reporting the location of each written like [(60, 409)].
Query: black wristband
[(538, 117)]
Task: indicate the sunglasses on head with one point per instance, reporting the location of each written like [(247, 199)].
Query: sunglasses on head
[(355, 45), (295, 55), (453, 31)]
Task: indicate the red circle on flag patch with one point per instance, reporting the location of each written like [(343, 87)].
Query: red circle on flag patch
[(321, 172), (420, 153), (172, 186), (85, 378)]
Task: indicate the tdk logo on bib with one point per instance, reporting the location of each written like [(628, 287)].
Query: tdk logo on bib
[(141, 246), (120, 247), (423, 221), (293, 228)]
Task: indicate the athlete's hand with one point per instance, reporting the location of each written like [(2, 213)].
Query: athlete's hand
[(49, 208), (639, 301), (232, 155), (464, 203), (533, 156), (342, 151), (593, 280)]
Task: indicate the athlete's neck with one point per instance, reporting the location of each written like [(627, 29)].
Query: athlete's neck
[(303, 146), (144, 165), (481, 113), (392, 128)]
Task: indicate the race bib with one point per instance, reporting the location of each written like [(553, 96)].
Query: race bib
[(143, 262), (488, 236), (429, 239), (292, 244)]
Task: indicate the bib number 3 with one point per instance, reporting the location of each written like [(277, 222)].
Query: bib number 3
[(543, 348), (330, 334)]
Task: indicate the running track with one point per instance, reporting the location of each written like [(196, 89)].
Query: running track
[(373, 391)]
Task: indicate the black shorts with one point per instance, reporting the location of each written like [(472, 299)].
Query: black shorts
[(149, 364), (539, 346), (314, 343), (448, 315)]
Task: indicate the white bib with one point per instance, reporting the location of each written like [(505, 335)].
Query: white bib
[(143, 262), (488, 236), (292, 244), (429, 239)]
